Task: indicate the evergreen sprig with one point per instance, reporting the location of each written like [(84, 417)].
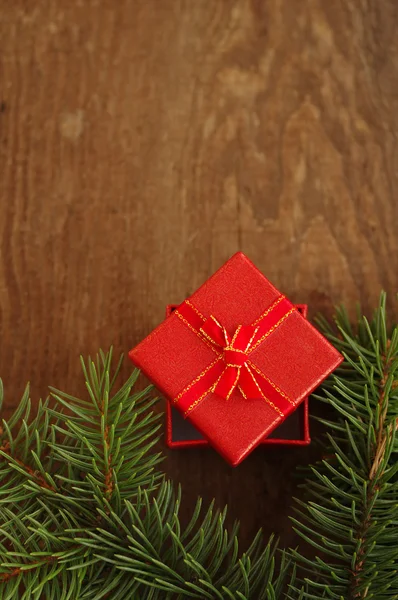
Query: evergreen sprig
[(74, 459), (350, 511), (86, 515)]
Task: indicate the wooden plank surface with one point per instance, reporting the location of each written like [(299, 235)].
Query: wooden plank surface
[(143, 142)]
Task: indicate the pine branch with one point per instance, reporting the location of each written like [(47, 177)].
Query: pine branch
[(150, 547), (80, 516), (57, 468), (107, 439), (352, 511), (384, 434)]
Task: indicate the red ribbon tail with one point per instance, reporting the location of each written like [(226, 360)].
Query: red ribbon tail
[(249, 384), (256, 385), (227, 382)]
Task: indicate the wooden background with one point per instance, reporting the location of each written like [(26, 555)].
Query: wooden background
[(142, 142)]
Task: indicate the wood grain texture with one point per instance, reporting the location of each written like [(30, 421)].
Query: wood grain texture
[(142, 142)]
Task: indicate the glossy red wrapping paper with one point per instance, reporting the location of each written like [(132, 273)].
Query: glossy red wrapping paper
[(295, 356)]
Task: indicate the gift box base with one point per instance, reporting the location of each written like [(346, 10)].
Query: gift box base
[(180, 433), (294, 431)]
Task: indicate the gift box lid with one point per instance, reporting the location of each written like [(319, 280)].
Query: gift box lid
[(236, 358)]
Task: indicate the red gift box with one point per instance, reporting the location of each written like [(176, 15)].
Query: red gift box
[(294, 431), (236, 358)]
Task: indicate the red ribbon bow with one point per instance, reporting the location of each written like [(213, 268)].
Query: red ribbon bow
[(233, 367), (235, 354)]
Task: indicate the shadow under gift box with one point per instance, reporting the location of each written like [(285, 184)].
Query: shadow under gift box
[(294, 431)]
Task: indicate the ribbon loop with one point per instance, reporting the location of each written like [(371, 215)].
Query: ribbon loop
[(214, 332)]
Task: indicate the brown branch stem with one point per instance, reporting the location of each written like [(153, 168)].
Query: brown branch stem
[(4, 577), (38, 477), (378, 456)]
